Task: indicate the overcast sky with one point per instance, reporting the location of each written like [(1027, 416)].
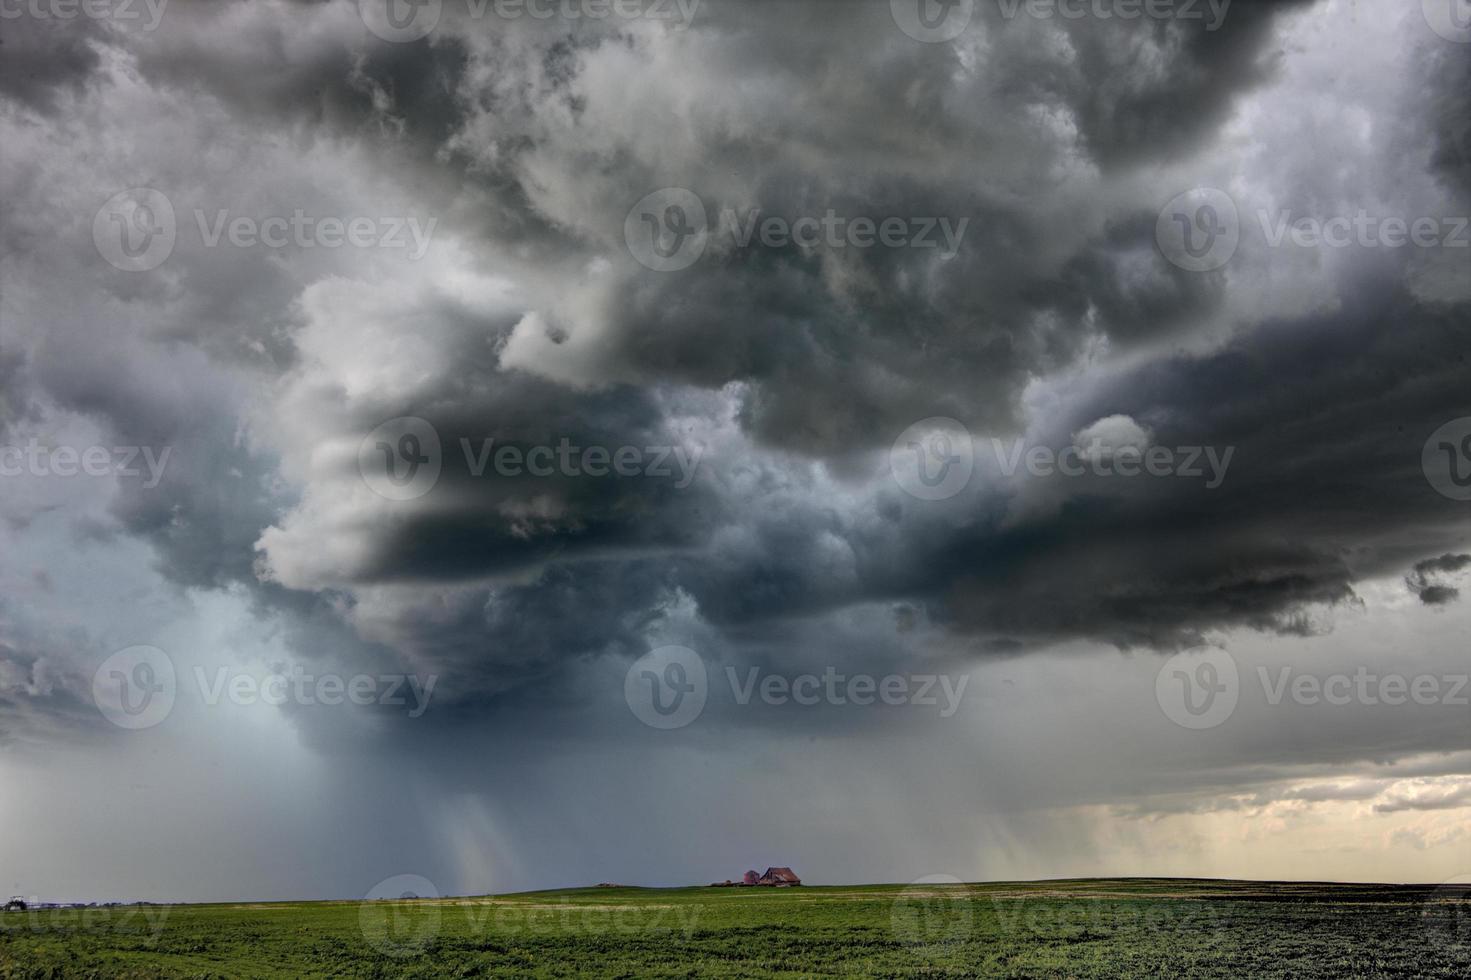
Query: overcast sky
[(443, 439)]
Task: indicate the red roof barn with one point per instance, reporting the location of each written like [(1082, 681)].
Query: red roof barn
[(779, 877), (751, 878)]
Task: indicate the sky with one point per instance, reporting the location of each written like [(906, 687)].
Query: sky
[(533, 444)]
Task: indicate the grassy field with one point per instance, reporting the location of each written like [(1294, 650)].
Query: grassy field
[(1124, 928)]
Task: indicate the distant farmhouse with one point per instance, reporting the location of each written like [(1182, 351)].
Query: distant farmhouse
[(779, 878), (773, 878)]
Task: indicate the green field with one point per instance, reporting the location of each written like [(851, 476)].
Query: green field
[(1097, 928)]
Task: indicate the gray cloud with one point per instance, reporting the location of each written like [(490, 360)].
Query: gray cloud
[(48, 60), (822, 356), (787, 371), (1422, 579)]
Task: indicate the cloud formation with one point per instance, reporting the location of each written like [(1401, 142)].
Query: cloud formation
[(754, 396)]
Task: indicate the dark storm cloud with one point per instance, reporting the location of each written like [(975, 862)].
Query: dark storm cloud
[(209, 499), (806, 333), (1448, 80), (839, 347), (1152, 561), (1127, 114), (43, 60), (1156, 561), (14, 402), (310, 67), (493, 521), (42, 695), (537, 139), (1423, 578), (791, 371)]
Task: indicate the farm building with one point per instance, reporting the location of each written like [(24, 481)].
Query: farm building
[(779, 878), (773, 878)]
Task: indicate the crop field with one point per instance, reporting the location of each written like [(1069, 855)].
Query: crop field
[(1093, 928)]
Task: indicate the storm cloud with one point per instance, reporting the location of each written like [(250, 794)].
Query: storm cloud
[(615, 456)]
